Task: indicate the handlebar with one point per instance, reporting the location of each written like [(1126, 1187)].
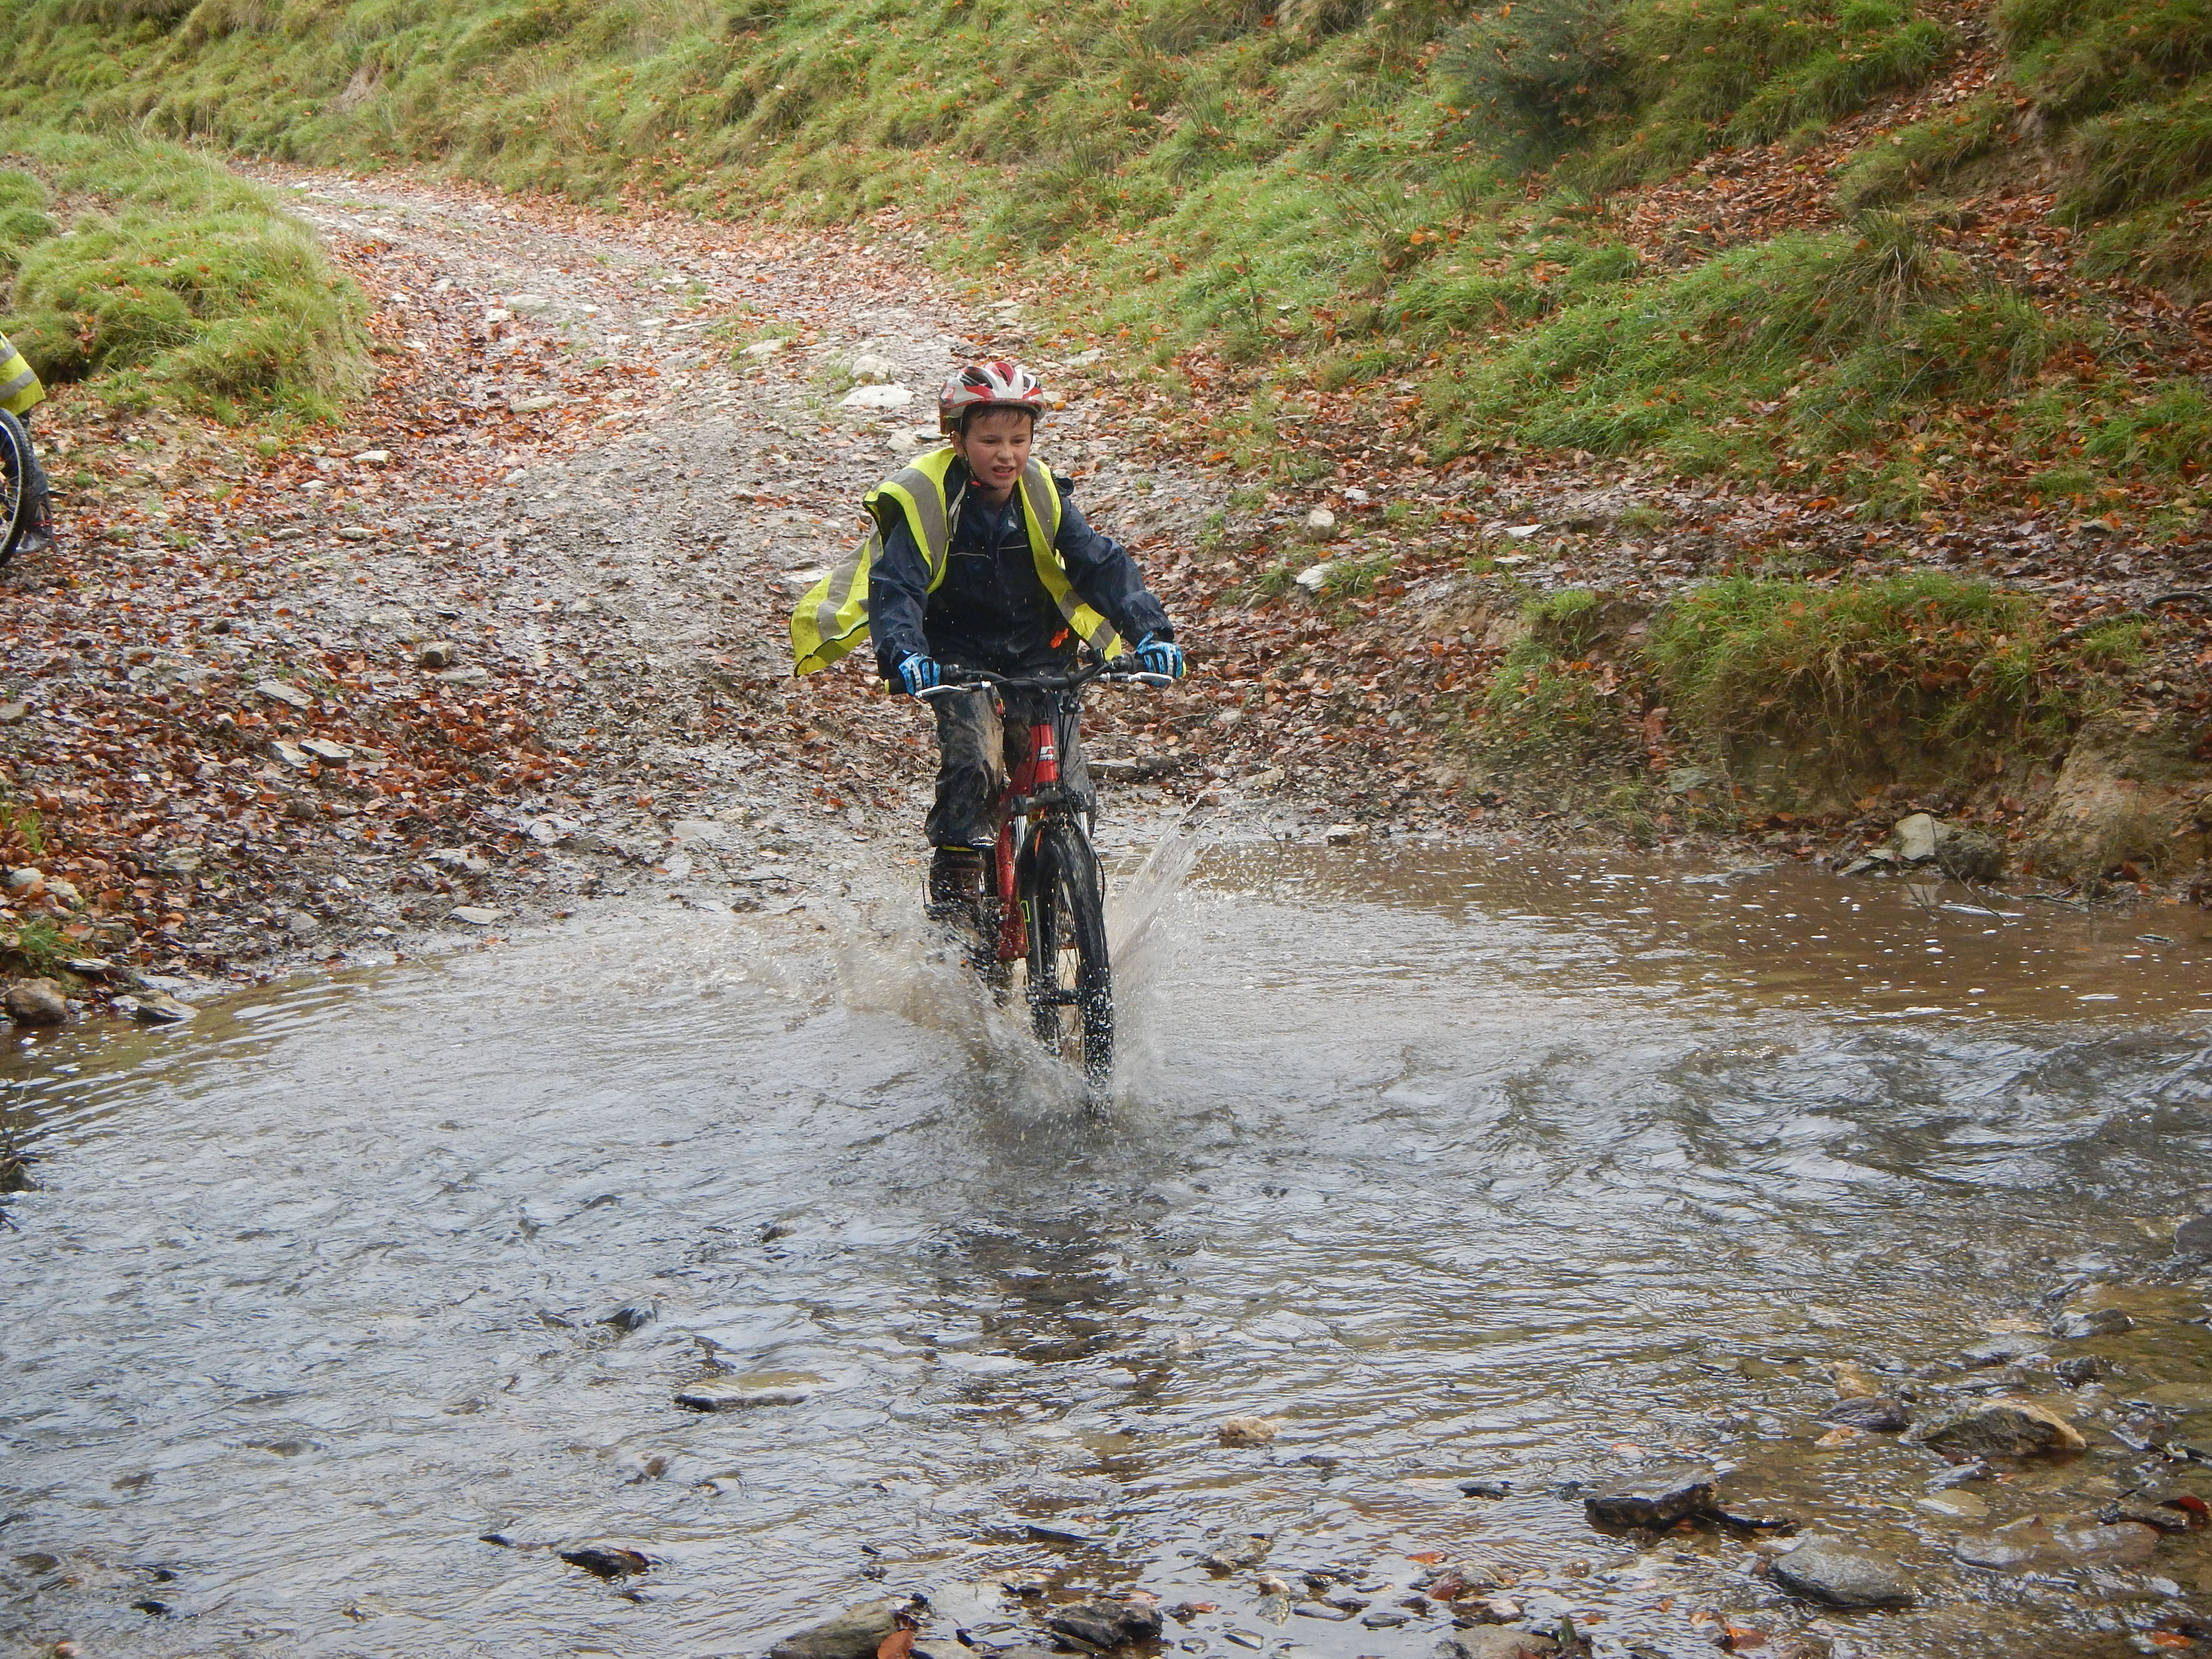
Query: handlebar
[(962, 679)]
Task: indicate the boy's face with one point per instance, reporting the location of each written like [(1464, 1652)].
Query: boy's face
[(996, 447)]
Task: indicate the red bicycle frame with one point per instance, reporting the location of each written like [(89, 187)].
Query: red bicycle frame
[(1039, 767)]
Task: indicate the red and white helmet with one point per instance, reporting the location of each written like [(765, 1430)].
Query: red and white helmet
[(998, 385)]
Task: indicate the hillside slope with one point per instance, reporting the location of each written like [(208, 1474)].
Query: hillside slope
[(1339, 196), (1758, 310)]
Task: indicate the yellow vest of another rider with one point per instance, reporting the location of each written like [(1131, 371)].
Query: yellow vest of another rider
[(19, 384), (833, 618)]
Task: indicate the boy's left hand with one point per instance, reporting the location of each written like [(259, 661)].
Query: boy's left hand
[(1160, 656)]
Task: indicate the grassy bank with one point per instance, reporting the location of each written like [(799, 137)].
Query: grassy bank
[(153, 272), (1769, 694), (1332, 195)]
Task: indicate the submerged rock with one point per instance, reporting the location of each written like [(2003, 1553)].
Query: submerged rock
[(2002, 1351), (2193, 1239), (854, 1633), (2002, 1428), (2078, 1322), (1106, 1623), (1234, 1554), (1875, 1412), (1495, 1644), (1248, 1432), (1843, 1574), (2035, 1545), (1658, 1499), (606, 1560), (718, 1394), (2081, 1368)]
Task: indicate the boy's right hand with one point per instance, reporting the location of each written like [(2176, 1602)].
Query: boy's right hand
[(918, 674)]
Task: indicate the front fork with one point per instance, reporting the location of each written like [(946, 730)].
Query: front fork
[(1013, 925)]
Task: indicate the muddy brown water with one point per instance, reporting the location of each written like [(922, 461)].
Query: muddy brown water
[(1461, 1165)]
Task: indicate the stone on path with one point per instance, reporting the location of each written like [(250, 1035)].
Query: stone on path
[(1843, 1574), (877, 397)]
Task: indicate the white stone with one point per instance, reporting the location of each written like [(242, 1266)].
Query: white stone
[(1521, 533), (498, 314), (373, 457), (1320, 519), (765, 348), (324, 750), (877, 397), (291, 754), (1915, 838), (1314, 578), (476, 915), (277, 691), (870, 370)]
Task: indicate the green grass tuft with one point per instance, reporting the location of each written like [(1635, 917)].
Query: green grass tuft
[(176, 282), (1925, 657)]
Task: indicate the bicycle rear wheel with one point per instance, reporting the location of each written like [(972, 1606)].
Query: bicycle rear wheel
[(1070, 983), (15, 484)]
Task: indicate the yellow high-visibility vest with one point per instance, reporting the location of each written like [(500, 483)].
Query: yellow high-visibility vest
[(833, 618), (20, 390)]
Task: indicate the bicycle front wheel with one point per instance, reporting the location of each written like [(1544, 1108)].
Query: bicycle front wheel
[(15, 484), (1070, 983)]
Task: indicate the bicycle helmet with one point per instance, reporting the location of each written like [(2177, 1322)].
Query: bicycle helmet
[(997, 384)]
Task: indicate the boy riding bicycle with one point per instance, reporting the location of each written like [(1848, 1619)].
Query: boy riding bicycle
[(980, 558)]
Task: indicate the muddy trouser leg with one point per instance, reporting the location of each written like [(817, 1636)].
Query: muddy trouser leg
[(972, 770)]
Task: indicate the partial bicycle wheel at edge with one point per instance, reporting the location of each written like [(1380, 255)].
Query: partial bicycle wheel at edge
[(15, 484), (1071, 986)]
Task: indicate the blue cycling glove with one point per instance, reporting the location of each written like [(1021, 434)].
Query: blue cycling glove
[(918, 673), (1160, 656)]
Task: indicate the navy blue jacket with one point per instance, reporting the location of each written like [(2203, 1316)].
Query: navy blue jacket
[(991, 612)]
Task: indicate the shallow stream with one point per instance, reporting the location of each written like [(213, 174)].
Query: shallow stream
[(1462, 1166)]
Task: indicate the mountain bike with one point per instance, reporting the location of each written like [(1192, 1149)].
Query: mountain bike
[(16, 506), (1042, 902)]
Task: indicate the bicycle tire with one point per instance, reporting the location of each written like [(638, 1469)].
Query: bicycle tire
[(1069, 969), (15, 491)]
